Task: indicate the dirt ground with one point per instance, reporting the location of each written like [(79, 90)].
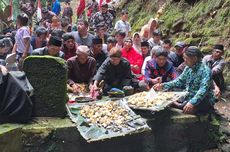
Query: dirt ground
[(223, 106)]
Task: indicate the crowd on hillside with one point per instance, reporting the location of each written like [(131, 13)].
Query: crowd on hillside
[(102, 47)]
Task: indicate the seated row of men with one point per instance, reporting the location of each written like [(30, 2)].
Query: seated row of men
[(171, 63), (122, 67), (119, 64), (119, 67)]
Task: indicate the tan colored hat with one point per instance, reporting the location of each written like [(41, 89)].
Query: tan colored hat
[(82, 49)]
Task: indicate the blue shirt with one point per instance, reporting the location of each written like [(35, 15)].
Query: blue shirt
[(56, 7), (197, 80)]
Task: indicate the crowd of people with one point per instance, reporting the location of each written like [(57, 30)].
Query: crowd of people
[(109, 53)]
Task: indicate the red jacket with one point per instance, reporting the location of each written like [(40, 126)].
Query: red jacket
[(134, 58)]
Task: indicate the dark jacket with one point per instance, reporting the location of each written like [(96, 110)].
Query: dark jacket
[(100, 58), (44, 51), (114, 74)]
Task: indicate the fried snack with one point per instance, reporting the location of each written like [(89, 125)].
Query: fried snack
[(109, 115), (139, 99), (83, 88)]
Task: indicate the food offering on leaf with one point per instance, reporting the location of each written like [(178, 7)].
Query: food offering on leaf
[(106, 119), (83, 99), (140, 100), (109, 115)]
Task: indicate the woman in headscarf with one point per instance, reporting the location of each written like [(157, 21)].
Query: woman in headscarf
[(147, 29), (56, 24), (134, 58), (137, 42)]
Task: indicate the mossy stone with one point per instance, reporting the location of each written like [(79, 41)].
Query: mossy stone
[(48, 76)]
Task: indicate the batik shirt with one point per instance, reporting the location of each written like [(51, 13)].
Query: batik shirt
[(197, 80), (152, 71), (103, 19)]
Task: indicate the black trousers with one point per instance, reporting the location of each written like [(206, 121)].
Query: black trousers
[(204, 107)]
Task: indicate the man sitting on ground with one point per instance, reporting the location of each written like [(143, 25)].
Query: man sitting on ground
[(120, 36), (216, 62), (155, 39), (69, 46), (115, 72), (158, 69), (81, 68), (82, 36), (40, 39), (197, 80), (145, 49), (177, 57), (97, 52), (111, 42), (53, 48)]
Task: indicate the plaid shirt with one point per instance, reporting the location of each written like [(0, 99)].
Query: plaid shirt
[(153, 71)]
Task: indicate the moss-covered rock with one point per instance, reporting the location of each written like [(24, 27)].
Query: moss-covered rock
[(48, 76), (206, 21)]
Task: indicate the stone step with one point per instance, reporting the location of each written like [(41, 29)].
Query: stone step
[(55, 134)]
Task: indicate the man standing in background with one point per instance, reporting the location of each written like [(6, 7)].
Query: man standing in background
[(56, 7)]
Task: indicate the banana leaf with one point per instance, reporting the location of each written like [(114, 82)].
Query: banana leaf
[(92, 132), (159, 107)]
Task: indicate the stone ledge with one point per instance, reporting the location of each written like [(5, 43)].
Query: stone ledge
[(49, 122), (55, 134), (5, 128)]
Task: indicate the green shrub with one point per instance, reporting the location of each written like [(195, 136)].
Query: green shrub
[(48, 76)]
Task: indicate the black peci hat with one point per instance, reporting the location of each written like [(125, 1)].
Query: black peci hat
[(97, 41), (56, 41), (219, 47)]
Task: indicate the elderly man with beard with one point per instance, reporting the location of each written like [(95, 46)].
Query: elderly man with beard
[(197, 80), (81, 68)]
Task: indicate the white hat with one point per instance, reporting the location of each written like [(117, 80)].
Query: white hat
[(82, 49)]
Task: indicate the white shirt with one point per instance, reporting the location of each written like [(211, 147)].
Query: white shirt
[(124, 26), (148, 58), (21, 34)]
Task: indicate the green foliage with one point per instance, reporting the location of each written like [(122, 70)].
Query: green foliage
[(192, 40), (140, 22), (48, 76), (140, 13), (171, 15)]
